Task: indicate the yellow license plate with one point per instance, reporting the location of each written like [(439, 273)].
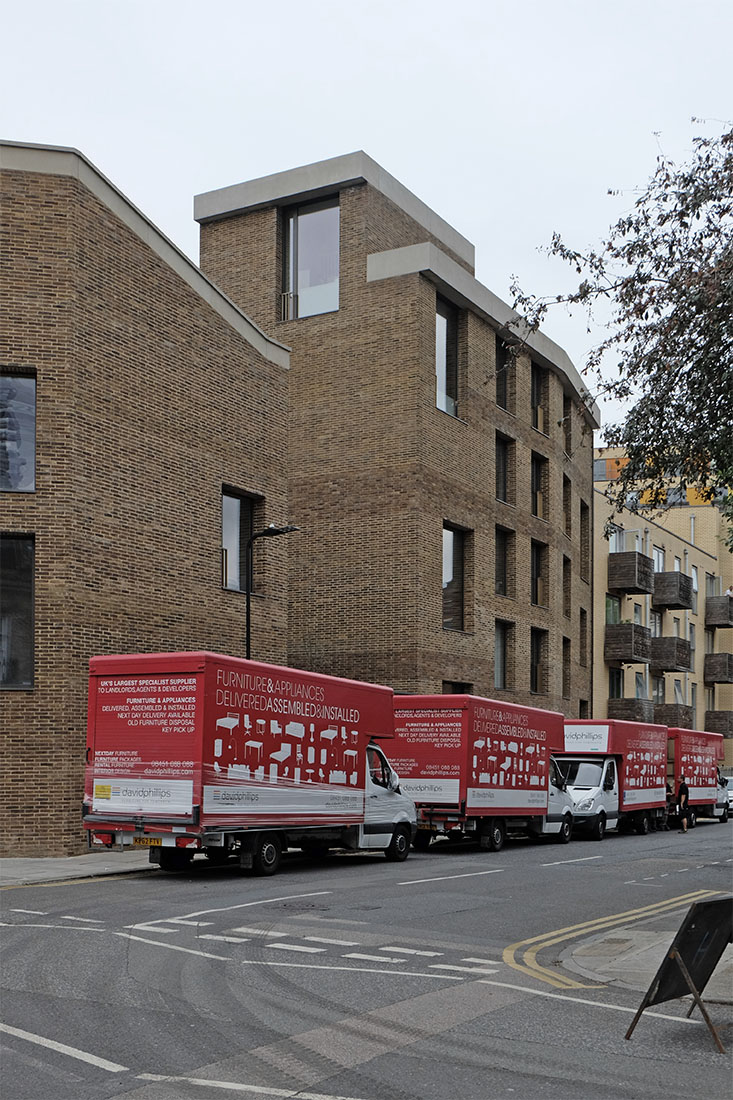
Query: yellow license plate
[(146, 841)]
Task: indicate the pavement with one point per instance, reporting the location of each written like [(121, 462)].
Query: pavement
[(628, 957)]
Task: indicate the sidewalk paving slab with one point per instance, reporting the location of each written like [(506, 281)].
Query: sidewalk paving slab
[(25, 872)]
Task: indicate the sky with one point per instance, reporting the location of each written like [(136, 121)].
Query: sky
[(512, 119)]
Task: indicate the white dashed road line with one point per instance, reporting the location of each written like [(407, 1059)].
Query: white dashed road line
[(412, 951), (62, 1048), (296, 947), (373, 958)]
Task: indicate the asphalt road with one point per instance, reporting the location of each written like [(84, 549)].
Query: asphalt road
[(458, 975)]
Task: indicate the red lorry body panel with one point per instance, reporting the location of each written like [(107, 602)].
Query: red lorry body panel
[(641, 752), (695, 754), (179, 737), (478, 756)]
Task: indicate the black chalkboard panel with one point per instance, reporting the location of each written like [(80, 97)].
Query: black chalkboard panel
[(702, 938)]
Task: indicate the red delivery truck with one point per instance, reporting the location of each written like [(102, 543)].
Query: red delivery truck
[(695, 754), (198, 752), (480, 768), (615, 772)]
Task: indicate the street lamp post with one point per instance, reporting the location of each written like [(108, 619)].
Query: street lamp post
[(267, 533)]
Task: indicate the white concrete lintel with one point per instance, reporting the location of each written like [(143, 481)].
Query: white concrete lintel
[(61, 161), (460, 287)]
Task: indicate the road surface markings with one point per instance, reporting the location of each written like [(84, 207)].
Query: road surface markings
[(246, 905), (334, 943), (352, 969), (413, 951), (235, 1086), (373, 958), (530, 947), (173, 947), (82, 920), (191, 923), (31, 912), (462, 969), (560, 862), (223, 939), (443, 878), (53, 927), (593, 1004), (296, 947), (62, 1048), (261, 932), (153, 927), (481, 962)]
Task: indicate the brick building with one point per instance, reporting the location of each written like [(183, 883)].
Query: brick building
[(442, 483), (142, 433), (663, 623)]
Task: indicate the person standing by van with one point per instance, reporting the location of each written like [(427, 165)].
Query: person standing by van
[(683, 804)]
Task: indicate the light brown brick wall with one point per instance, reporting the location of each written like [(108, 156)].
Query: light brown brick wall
[(148, 401), (375, 469)]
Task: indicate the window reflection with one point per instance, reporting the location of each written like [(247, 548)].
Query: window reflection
[(16, 611), (312, 260), (17, 434)]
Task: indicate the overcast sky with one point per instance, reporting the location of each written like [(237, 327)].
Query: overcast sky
[(510, 118)]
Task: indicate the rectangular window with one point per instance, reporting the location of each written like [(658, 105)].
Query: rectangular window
[(710, 698), (693, 643), (457, 687), (695, 587), (504, 468), (584, 541), (17, 433), (655, 623), (679, 697), (502, 655), (658, 690), (615, 683), (567, 581), (637, 614), (712, 585), (583, 708), (693, 704), (453, 578), (539, 567), (237, 515), (710, 641), (677, 564), (538, 661), (446, 356), (311, 259), (566, 667), (539, 478), (16, 611), (504, 562), (567, 505), (538, 388), (613, 610), (639, 685), (658, 558), (567, 424), (583, 637), (503, 365)]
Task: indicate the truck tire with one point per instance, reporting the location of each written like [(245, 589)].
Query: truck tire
[(267, 852), (642, 825), (399, 845), (692, 820), (724, 816), (566, 830), (496, 833), (598, 828), (421, 843)]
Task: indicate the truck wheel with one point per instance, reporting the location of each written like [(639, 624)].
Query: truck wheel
[(399, 845), (642, 825), (566, 830), (421, 843), (266, 854), (598, 829), (497, 834), (692, 820), (724, 816)]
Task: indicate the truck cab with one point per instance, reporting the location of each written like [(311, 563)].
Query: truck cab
[(593, 786)]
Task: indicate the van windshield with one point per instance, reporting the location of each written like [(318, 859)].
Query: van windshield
[(582, 773)]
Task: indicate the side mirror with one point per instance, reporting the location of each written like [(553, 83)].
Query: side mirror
[(394, 782)]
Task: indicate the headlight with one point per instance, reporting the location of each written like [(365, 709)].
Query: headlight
[(585, 805)]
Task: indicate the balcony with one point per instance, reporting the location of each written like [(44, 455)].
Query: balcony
[(718, 668), (672, 590), (719, 721), (670, 655), (674, 714), (630, 571), (718, 611), (627, 642), (630, 710)]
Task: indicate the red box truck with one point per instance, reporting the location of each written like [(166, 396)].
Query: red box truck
[(480, 768), (695, 754), (615, 772), (191, 752)]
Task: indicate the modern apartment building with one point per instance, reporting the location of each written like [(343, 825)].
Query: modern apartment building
[(663, 623), (142, 441), (440, 474)]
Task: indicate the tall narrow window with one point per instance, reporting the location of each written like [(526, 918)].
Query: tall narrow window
[(16, 611), (655, 624), (583, 637), (504, 378), (657, 689), (658, 558), (566, 668), (693, 704), (567, 582), (567, 505), (17, 433), (237, 513), (567, 424), (504, 468), (613, 610), (538, 386), (695, 587), (446, 356), (640, 685), (584, 541), (453, 578), (615, 683), (538, 661), (311, 259), (539, 573), (502, 655), (504, 562), (539, 477)]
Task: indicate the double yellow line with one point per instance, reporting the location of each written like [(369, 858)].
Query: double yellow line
[(529, 949)]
